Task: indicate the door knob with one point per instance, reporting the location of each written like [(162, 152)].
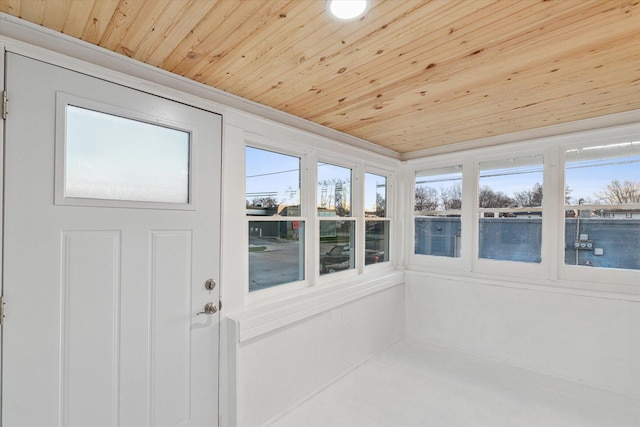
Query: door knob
[(209, 308)]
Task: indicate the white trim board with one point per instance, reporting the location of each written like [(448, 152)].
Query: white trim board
[(591, 124)]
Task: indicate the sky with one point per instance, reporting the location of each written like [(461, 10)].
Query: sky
[(103, 149), (274, 174), (585, 175), (111, 157)]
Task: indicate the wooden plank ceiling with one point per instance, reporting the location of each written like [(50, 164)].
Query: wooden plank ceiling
[(410, 75)]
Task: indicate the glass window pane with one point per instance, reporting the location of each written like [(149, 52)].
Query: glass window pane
[(334, 190), (511, 239), (375, 195), (601, 238), (438, 236), (603, 175), (602, 227), (437, 212), (376, 242), (114, 158), (337, 243), (272, 183), (510, 202), (276, 253), (508, 183)]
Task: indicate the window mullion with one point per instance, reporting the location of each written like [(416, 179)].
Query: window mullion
[(553, 190), (309, 183), (469, 238), (357, 212)]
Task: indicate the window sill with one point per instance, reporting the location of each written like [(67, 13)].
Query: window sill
[(568, 287), (264, 318)]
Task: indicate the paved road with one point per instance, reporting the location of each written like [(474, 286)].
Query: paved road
[(279, 263)]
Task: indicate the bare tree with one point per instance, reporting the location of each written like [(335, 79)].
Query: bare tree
[(426, 199), (381, 205), (617, 192), (494, 199), (567, 194), (451, 197), (529, 198), (263, 202)]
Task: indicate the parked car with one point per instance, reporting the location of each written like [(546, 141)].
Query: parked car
[(339, 257), (336, 259)]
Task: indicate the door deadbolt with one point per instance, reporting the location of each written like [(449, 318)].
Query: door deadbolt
[(209, 308), (210, 284)]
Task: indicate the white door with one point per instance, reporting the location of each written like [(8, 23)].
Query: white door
[(111, 230)]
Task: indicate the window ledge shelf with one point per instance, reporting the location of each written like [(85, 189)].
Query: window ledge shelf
[(595, 290), (263, 319)]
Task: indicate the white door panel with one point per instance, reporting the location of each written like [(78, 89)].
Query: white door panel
[(101, 326)]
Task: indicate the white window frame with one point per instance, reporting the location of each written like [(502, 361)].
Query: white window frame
[(279, 147), (506, 267), (551, 272), (611, 279), (65, 99), (440, 263), (355, 216), (389, 211), (313, 282)]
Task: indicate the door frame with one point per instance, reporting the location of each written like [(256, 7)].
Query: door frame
[(63, 51), (2, 138)]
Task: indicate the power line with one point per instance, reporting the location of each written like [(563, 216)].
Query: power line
[(262, 194), (594, 163), (285, 171), (272, 173)]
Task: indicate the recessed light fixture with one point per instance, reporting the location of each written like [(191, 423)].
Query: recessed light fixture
[(347, 10)]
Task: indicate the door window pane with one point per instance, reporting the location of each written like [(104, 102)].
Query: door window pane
[(115, 158), (437, 212), (272, 183), (602, 206), (276, 253), (334, 190), (510, 209), (337, 243)]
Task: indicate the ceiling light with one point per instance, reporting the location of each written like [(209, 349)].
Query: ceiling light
[(347, 10)]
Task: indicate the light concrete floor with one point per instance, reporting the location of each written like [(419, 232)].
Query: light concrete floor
[(411, 384)]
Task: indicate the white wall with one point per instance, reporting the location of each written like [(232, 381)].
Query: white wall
[(591, 340), (279, 370)]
